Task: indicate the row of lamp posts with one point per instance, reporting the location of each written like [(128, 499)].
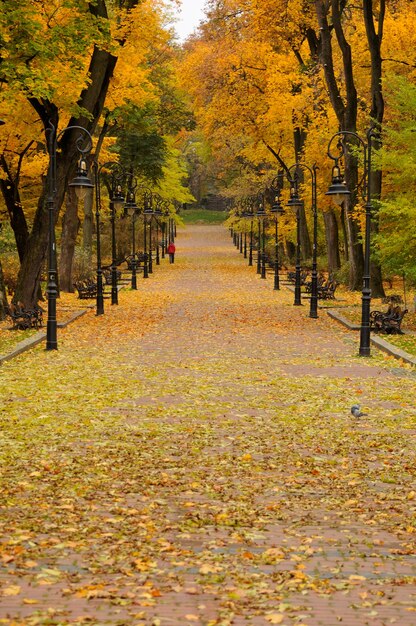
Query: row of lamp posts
[(277, 209), (82, 185), (339, 192)]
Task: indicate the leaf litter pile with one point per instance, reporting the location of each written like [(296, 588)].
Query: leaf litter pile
[(191, 458)]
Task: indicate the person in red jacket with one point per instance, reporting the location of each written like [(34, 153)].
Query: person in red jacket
[(171, 251)]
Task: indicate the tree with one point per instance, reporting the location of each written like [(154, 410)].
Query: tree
[(395, 244), (344, 99), (75, 44)]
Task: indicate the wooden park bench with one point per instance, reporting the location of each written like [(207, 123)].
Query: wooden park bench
[(140, 258), (389, 322), (395, 298), (320, 282), (107, 276), (23, 318), (87, 289), (291, 276), (326, 291)]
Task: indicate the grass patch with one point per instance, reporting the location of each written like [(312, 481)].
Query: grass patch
[(203, 216), (10, 338), (404, 342)]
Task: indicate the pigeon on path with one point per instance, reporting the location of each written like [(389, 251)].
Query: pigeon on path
[(356, 411)]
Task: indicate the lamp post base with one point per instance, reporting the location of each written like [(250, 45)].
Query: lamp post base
[(365, 316), (114, 290), (51, 324), (298, 301), (133, 275), (51, 341)]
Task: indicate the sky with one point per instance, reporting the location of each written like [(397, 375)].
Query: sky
[(189, 17)]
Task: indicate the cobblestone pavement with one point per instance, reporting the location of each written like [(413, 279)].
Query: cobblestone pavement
[(223, 480)]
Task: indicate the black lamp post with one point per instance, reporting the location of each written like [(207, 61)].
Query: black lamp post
[(132, 210), (116, 204), (313, 312), (250, 248), (81, 183), (158, 213), (339, 191), (258, 268), (163, 229), (147, 211), (165, 214), (296, 204), (150, 260), (100, 291), (277, 209), (245, 230), (261, 216)]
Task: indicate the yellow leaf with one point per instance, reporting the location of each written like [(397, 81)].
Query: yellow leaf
[(7, 558), (13, 590), (29, 601), (192, 618), (275, 618), (209, 569)]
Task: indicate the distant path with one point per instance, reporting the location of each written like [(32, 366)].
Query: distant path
[(190, 458)]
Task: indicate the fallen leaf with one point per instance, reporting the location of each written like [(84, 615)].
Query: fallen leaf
[(12, 590), (275, 618)]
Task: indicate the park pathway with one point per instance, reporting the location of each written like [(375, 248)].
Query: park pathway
[(190, 458)]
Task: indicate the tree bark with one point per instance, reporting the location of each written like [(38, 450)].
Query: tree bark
[(305, 240), (3, 295), (87, 228), (344, 235), (10, 190), (332, 240), (377, 113), (70, 227)]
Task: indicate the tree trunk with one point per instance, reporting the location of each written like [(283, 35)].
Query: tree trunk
[(305, 240), (290, 250), (355, 248), (377, 113), (10, 192), (87, 228), (343, 218), (3, 295), (332, 241), (377, 287), (70, 227)]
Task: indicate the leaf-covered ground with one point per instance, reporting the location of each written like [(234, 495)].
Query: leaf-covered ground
[(190, 458)]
